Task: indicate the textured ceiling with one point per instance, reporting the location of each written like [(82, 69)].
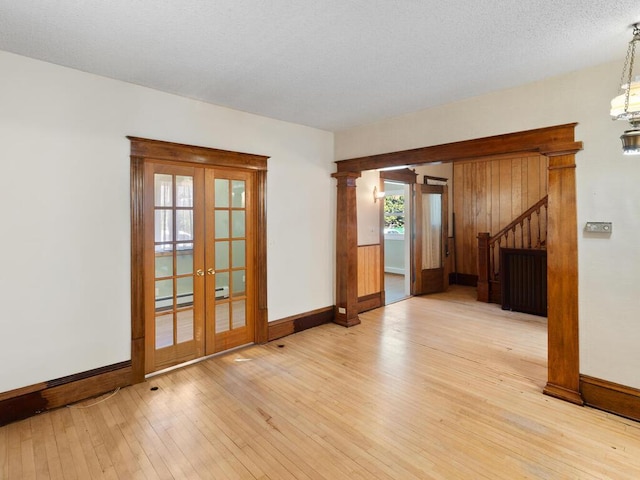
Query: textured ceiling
[(330, 64)]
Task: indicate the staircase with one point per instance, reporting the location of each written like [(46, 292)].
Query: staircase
[(527, 231)]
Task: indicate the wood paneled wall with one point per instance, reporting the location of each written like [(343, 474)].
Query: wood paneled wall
[(369, 270), (490, 193)]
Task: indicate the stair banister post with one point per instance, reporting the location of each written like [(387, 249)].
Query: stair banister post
[(484, 264)]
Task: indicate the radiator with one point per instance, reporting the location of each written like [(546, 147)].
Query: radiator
[(523, 279)]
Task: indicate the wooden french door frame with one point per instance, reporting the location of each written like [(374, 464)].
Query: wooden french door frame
[(409, 178), (180, 154), (427, 281), (559, 145)]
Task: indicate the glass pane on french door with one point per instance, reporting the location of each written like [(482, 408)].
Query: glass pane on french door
[(431, 230), (174, 264), (198, 284), (174, 260), (228, 245)]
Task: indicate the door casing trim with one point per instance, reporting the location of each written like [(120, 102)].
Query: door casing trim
[(559, 145), (143, 148)]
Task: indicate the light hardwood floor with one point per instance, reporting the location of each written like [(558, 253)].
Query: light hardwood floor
[(439, 387)]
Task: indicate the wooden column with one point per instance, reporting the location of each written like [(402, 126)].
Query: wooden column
[(262, 312), (137, 270), (562, 274), (483, 267), (346, 313)]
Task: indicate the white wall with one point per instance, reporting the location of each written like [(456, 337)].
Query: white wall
[(64, 200), (368, 210), (607, 188)]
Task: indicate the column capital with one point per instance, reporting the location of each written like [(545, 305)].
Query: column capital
[(346, 179)]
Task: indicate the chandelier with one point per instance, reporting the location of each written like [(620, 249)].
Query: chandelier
[(626, 106)]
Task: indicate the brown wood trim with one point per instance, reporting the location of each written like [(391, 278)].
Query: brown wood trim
[(87, 387), (76, 377), (484, 266), (495, 291), (369, 302), (24, 406), (346, 310), (559, 145), (262, 313), (28, 401), (426, 178), (561, 148), (566, 394), (176, 153), (18, 392), (549, 139), (611, 397), (137, 270), (383, 300), (562, 282), (405, 175), (297, 323), (160, 150), (562, 167)]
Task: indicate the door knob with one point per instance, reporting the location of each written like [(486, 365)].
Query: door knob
[(199, 272), (210, 271)]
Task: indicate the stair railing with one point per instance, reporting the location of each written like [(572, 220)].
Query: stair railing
[(528, 230)]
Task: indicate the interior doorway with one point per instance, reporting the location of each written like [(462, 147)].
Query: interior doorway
[(199, 244), (198, 252), (397, 233), (430, 238), (558, 144)]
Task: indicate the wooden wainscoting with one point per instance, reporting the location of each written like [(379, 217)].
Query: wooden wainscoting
[(370, 277), (368, 270), (27, 401), (490, 193)]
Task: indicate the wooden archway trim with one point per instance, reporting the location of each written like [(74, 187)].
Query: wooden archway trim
[(406, 175), (538, 140), (142, 148), (559, 145)]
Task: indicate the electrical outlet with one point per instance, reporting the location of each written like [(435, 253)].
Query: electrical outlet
[(598, 227)]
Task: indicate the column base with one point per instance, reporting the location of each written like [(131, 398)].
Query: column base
[(563, 394), (344, 320)]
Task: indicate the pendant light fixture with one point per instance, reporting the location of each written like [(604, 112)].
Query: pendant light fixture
[(626, 106)]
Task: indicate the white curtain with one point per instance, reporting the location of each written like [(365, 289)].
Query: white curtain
[(431, 230)]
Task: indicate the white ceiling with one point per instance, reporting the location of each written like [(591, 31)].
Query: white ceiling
[(330, 64)]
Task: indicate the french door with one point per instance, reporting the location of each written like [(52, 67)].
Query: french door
[(429, 245), (199, 250)]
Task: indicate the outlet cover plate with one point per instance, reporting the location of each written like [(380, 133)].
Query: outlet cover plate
[(598, 227)]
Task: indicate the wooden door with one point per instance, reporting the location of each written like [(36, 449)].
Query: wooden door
[(174, 254), (429, 242), (229, 245), (199, 261)]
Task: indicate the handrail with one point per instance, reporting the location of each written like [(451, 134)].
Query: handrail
[(489, 256), (526, 214)]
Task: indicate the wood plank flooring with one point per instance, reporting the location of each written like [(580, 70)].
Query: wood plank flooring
[(438, 387)]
